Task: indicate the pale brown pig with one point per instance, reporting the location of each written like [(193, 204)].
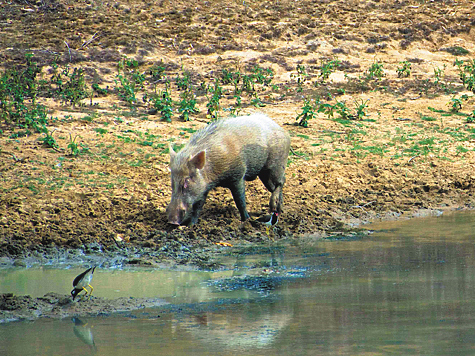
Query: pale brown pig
[(226, 153)]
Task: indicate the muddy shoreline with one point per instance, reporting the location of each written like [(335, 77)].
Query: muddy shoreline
[(185, 253), (58, 306), (179, 257)]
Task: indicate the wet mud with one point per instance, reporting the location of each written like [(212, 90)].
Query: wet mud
[(58, 306)]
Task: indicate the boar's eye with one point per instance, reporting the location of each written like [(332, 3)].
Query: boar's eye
[(186, 182)]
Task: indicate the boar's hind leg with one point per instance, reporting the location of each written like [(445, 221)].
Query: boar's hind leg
[(275, 203), (274, 183), (239, 195)]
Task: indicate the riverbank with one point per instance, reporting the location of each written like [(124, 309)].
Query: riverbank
[(380, 121)]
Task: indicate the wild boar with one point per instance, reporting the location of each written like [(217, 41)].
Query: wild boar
[(226, 153)]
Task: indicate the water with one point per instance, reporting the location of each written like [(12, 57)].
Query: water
[(406, 289), (134, 282)]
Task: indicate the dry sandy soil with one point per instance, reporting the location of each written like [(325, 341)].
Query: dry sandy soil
[(410, 153)]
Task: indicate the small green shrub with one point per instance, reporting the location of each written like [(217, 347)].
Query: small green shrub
[(405, 70), (213, 101), (467, 73), (301, 77), (375, 71), (69, 85), (163, 102), (360, 107), (308, 112), (18, 94), (187, 105), (455, 104), (183, 82), (328, 68)]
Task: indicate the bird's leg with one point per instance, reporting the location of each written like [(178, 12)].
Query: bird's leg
[(268, 233), (90, 294), (84, 295)]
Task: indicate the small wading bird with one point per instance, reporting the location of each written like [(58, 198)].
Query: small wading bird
[(82, 281), (269, 220)]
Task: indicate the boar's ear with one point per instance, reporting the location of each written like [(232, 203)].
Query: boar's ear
[(172, 153), (199, 160)]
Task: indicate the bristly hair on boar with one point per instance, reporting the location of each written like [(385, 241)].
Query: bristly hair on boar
[(226, 153)]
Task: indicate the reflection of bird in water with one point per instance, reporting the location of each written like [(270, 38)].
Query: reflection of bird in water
[(82, 281), (84, 333), (269, 221)]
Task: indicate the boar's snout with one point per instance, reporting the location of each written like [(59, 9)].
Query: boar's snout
[(176, 217), (176, 213), (173, 220)]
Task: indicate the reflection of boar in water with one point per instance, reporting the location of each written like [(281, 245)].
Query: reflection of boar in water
[(225, 154)]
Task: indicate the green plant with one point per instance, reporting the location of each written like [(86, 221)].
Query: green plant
[(129, 80), (126, 90), (461, 150), (21, 83), (48, 140), (183, 82), (456, 50), (263, 76), (467, 73), (301, 76), (100, 91), (375, 71), (100, 130), (34, 117), (257, 102), (247, 83), (18, 93), (236, 79), (455, 104), (439, 74), (73, 146), (405, 69), (163, 102), (227, 77), (360, 109), (341, 108), (69, 84), (213, 101), (307, 114), (157, 72), (235, 109), (471, 117), (328, 68), (187, 105), (130, 67)]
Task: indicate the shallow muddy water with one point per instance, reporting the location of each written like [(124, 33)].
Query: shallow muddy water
[(408, 288)]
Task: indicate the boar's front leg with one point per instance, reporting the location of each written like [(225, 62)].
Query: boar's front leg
[(238, 190), (196, 209)]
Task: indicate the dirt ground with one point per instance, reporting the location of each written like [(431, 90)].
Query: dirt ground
[(410, 154)]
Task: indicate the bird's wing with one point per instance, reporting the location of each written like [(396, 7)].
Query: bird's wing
[(81, 276)]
